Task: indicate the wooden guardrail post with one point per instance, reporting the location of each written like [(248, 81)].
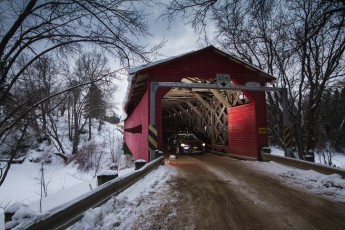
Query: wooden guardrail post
[(139, 164)]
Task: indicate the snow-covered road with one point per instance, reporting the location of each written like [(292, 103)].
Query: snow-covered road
[(214, 192)]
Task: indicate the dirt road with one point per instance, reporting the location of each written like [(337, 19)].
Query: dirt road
[(214, 192)]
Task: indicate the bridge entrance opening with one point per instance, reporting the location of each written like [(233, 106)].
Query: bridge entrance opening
[(203, 112)]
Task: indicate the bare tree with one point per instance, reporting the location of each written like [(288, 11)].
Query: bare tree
[(39, 81), (77, 124), (89, 66), (299, 41), (61, 29)]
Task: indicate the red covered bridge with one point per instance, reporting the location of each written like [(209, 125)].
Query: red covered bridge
[(186, 96)]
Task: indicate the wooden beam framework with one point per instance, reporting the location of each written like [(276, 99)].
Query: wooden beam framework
[(201, 111)]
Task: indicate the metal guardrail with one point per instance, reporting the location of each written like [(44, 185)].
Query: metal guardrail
[(64, 216), (265, 154)]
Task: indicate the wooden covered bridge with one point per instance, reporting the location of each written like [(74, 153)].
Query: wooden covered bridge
[(207, 92)]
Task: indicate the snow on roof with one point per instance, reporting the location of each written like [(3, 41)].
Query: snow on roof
[(135, 69)]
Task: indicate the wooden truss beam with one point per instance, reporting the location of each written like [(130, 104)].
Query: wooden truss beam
[(203, 102), (194, 108), (221, 98)]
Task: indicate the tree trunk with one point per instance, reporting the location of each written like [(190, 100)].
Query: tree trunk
[(76, 131), (90, 130), (69, 123)]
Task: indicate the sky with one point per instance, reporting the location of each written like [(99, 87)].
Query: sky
[(180, 38)]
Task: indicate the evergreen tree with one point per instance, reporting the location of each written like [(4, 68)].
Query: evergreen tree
[(340, 126), (332, 126), (95, 105)]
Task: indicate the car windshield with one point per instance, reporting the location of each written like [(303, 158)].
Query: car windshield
[(187, 136)]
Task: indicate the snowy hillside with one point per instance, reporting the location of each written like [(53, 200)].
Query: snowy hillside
[(61, 181)]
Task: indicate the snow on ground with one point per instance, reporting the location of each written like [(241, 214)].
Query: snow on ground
[(120, 211), (22, 185), (64, 183), (23, 182), (338, 159), (329, 186)]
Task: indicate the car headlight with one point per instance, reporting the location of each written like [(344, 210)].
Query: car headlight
[(183, 145), (203, 144)]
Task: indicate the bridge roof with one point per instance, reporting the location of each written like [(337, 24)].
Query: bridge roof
[(136, 85), (153, 64)]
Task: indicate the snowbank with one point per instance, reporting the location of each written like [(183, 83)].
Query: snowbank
[(329, 186), (120, 211)]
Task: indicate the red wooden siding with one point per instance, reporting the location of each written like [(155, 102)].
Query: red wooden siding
[(243, 124), (138, 142), (261, 119), (202, 65), (243, 130)]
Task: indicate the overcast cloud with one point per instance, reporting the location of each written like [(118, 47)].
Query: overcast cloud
[(180, 38)]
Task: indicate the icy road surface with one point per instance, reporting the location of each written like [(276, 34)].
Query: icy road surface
[(214, 192)]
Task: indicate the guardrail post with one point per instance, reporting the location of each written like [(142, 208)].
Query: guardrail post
[(266, 150), (103, 178), (139, 164), (309, 156), (8, 216)]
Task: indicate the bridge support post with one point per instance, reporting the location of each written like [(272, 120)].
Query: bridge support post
[(153, 89), (287, 134)]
